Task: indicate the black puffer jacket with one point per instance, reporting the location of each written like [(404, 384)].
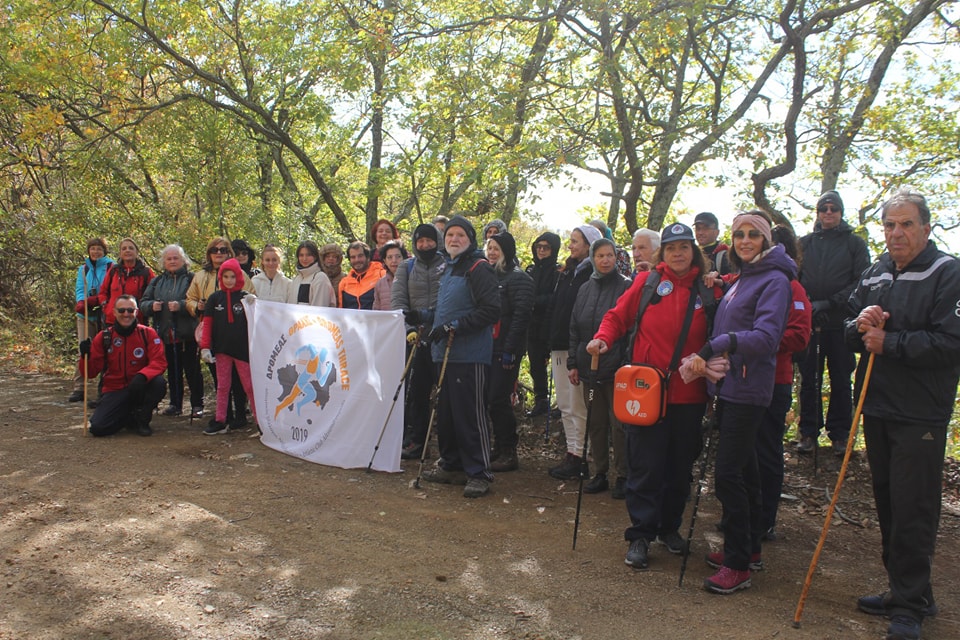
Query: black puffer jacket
[(833, 260), (516, 302), (597, 296), (571, 279), (544, 274)]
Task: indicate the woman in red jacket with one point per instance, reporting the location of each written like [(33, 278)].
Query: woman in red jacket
[(660, 457), (128, 276)]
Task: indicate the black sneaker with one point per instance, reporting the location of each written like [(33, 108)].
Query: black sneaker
[(539, 408), (770, 535), (196, 413), (411, 452), (674, 542), (144, 430), (597, 484), (76, 396), (619, 491), (476, 487), (215, 428), (172, 410), (637, 554), (879, 605), (569, 469), (903, 628), (806, 445)]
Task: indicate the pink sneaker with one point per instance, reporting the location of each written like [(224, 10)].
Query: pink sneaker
[(727, 580), (715, 561)]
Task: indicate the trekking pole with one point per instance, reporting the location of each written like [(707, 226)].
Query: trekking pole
[(704, 463), (86, 356), (836, 492), (546, 430), (818, 384), (433, 409), (594, 363), (396, 394)]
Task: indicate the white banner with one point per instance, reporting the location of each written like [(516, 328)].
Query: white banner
[(324, 380)]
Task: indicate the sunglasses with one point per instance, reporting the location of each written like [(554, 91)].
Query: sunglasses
[(753, 234), (220, 250), (828, 209), (124, 310), (543, 247)]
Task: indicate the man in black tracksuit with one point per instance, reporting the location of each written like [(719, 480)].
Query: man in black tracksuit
[(833, 259), (906, 315)]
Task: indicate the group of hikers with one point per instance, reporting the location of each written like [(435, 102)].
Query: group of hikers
[(726, 323)]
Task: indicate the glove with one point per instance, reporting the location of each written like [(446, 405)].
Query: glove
[(85, 348), (821, 312), (80, 306), (207, 356), (508, 359), (412, 317), (442, 332), (137, 384), (412, 337)]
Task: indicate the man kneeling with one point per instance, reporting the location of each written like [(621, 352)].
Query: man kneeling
[(130, 355)]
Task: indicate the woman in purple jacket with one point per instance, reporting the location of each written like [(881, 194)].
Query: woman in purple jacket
[(748, 328)]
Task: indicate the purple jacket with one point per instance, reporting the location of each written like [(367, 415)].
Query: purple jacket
[(749, 326)]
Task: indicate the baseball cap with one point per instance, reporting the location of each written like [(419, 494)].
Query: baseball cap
[(705, 217), (677, 231)]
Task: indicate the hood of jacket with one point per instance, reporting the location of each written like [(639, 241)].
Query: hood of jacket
[(554, 241), (231, 265)]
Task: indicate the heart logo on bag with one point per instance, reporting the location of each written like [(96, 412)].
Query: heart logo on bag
[(633, 407)]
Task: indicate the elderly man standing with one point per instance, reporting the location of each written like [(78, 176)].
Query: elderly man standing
[(645, 245), (130, 356), (833, 259), (906, 315)]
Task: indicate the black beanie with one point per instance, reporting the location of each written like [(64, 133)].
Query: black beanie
[(463, 223), (426, 231), (830, 197)]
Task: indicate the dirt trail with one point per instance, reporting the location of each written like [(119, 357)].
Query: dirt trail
[(187, 536)]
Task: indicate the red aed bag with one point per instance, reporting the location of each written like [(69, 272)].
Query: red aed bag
[(640, 394)]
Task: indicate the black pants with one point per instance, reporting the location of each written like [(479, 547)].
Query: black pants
[(463, 428), (502, 382), (737, 480), (182, 361), (659, 462), (906, 468), (770, 453), (840, 364), (538, 351), (420, 382), (121, 409)]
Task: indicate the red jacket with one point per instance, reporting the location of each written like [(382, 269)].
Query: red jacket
[(140, 352), (660, 329), (796, 335), (120, 280)]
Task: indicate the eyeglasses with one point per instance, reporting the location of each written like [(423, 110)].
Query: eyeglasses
[(243, 252), (542, 247), (829, 208), (124, 310), (753, 234), (220, 250)]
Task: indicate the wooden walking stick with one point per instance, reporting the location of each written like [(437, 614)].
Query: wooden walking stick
[(836, 493), (86, 356)]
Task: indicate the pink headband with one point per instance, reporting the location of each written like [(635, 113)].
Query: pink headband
[(757, 221)]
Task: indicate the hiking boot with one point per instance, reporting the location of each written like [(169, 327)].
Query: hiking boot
[(76, 396), (727, 580), (411, 452), (637, 554), (196, 413), (597, 484), (539, 408), (143, 429), (770, 535), (555, 414), (172, 410), (619, 491), (839, 448), (903, 628), (569, 469), (674, 542), (715, 561), (806, 445), (215, 428), (506, 461), (879, 605), (476, 487), (442, 476), (239, 423)]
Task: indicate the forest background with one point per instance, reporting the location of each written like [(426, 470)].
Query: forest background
[(283, 120)]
